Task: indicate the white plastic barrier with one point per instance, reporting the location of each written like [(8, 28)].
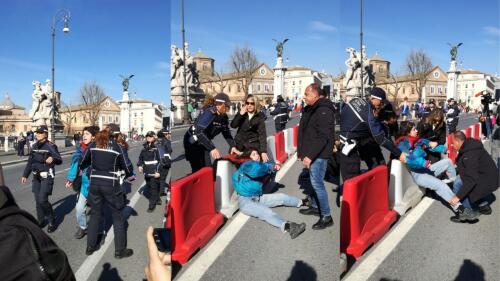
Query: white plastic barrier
[(271, 148), (226, 200), (404, 193), (289, 147)]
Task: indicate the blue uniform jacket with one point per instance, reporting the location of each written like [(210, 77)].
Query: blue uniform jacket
[(208, 125), (246, 180), (39, 153), (74, 170)]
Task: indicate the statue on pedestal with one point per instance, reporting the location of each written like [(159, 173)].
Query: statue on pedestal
[(42, 109), (352, 81), (177, 71), (126, 82), (279, 47), (453, 51)]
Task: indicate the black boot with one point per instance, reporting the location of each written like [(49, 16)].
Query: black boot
[(309, 211), (464, 214), (151, 208), (323, 223), (90, 250), (485, 210), (294, 229), (123, 253), (80, 233)]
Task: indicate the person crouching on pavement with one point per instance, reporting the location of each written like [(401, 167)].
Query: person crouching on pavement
[(79, 180), (149, 164), (252, 202), (477, 175)]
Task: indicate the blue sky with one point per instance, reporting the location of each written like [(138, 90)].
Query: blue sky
[(107, 38), (320, 30)]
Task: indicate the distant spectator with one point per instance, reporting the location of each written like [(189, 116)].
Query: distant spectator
[(21, 141), (405, 109)]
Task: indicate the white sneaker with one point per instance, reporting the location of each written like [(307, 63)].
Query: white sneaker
[(449, 180)]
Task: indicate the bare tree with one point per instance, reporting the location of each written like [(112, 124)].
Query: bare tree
[(244, 63), (68, 113), (92, 96), (217, 80), (396, 82), (418, 65)]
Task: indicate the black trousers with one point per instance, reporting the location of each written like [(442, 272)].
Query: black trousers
[(42, 188), (280, 126), (197, 156), (163, 178), (371, 153), (111, 195), (154, 188)]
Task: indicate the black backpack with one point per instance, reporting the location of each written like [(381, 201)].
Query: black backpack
[(27, 252)]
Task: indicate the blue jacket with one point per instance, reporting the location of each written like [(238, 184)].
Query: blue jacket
[(415, 150), (246, 180), (40, 151), (74, 171)]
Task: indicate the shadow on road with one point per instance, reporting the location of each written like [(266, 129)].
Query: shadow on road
[(109, 274), (470, 271), (64, 207), (301, 271)]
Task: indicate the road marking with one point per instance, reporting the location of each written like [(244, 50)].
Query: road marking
[(176, 141), (88, 266), (382, 249), (203, 262)]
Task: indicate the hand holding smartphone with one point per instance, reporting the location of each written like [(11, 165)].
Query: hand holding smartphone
[(162, 239)]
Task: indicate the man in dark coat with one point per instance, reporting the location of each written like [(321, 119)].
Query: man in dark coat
[(477, 175), (315, 146), (280, 114)]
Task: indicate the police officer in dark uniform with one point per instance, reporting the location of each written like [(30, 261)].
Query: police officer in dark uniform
[(452, 115), (280, 114), (42, 159), (165, 148), (198, 144), (358, 124), (107, 161), (149, 164)]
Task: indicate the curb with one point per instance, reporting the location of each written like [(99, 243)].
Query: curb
[(5, 164)]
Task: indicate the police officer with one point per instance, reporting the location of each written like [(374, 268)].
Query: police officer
[(165, 148), (452, 113), (358, 124), (42, 159), (106, 159), (149, 163), (198, 143), (280, 114)]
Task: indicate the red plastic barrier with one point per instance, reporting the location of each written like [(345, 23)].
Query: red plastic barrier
[(365, 216), (452, 153), (279, 141), (236, 160), (295, 135), (477, 131), (468, 132), (191, 214)]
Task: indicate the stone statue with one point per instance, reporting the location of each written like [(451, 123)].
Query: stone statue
[(279, 47), (453, 51), (125, 82), (177, 65), (352, 81), (42, 109)]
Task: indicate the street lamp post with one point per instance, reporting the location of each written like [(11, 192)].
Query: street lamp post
[(362, 95), (186, 91), (61, 15)]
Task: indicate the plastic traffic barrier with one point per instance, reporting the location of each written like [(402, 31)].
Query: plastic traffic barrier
[(404, 193), (226, 200), (467, 132), (452, 153), (476, 131), (281, 154), (365, 216), (296, 136), (271, 148), (289, 146), (191, 214)]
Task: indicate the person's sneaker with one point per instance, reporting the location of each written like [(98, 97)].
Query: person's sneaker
[(51, 227), (306, 202), (485, 210), (158, 202), (323, 223), (90, 250), (464, 214), (163, 193), (151, 209), (295, 229), (309, 211), (80, 233), (123, 253)]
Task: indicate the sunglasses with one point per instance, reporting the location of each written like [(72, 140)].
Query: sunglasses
[(250, 103)]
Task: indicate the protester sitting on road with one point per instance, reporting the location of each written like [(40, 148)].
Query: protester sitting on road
[(433, 128), (427, 176), (477, 175), (149, 164), (250, 122), (247, 183), (79, 180), (198, 145)]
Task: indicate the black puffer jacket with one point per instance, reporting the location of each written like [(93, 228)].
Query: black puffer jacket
[(251, 132), (317, 131), (477, 171)]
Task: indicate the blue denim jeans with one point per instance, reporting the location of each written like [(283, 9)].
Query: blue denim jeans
[(81, 210), (429, 180), (457, 185), (260, 207), (317, 173)]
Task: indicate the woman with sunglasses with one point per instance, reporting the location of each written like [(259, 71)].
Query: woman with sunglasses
[(250, 122), (212, 121)]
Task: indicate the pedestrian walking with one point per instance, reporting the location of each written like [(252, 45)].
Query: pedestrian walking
[(165, 148), (280, 114), (149, 164)]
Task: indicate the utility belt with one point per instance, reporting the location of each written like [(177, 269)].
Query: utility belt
[(192, 136), (44, 175), (346, 145)]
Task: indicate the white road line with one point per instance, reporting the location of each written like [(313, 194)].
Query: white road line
[(203, 262), (91, 262), (176, 141), (382, 249)]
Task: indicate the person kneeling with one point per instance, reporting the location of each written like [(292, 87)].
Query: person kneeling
[(253, 203)]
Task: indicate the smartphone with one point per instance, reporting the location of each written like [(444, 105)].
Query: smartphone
[(162, 239)]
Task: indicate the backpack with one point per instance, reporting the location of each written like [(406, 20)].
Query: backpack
[(28, 253)]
